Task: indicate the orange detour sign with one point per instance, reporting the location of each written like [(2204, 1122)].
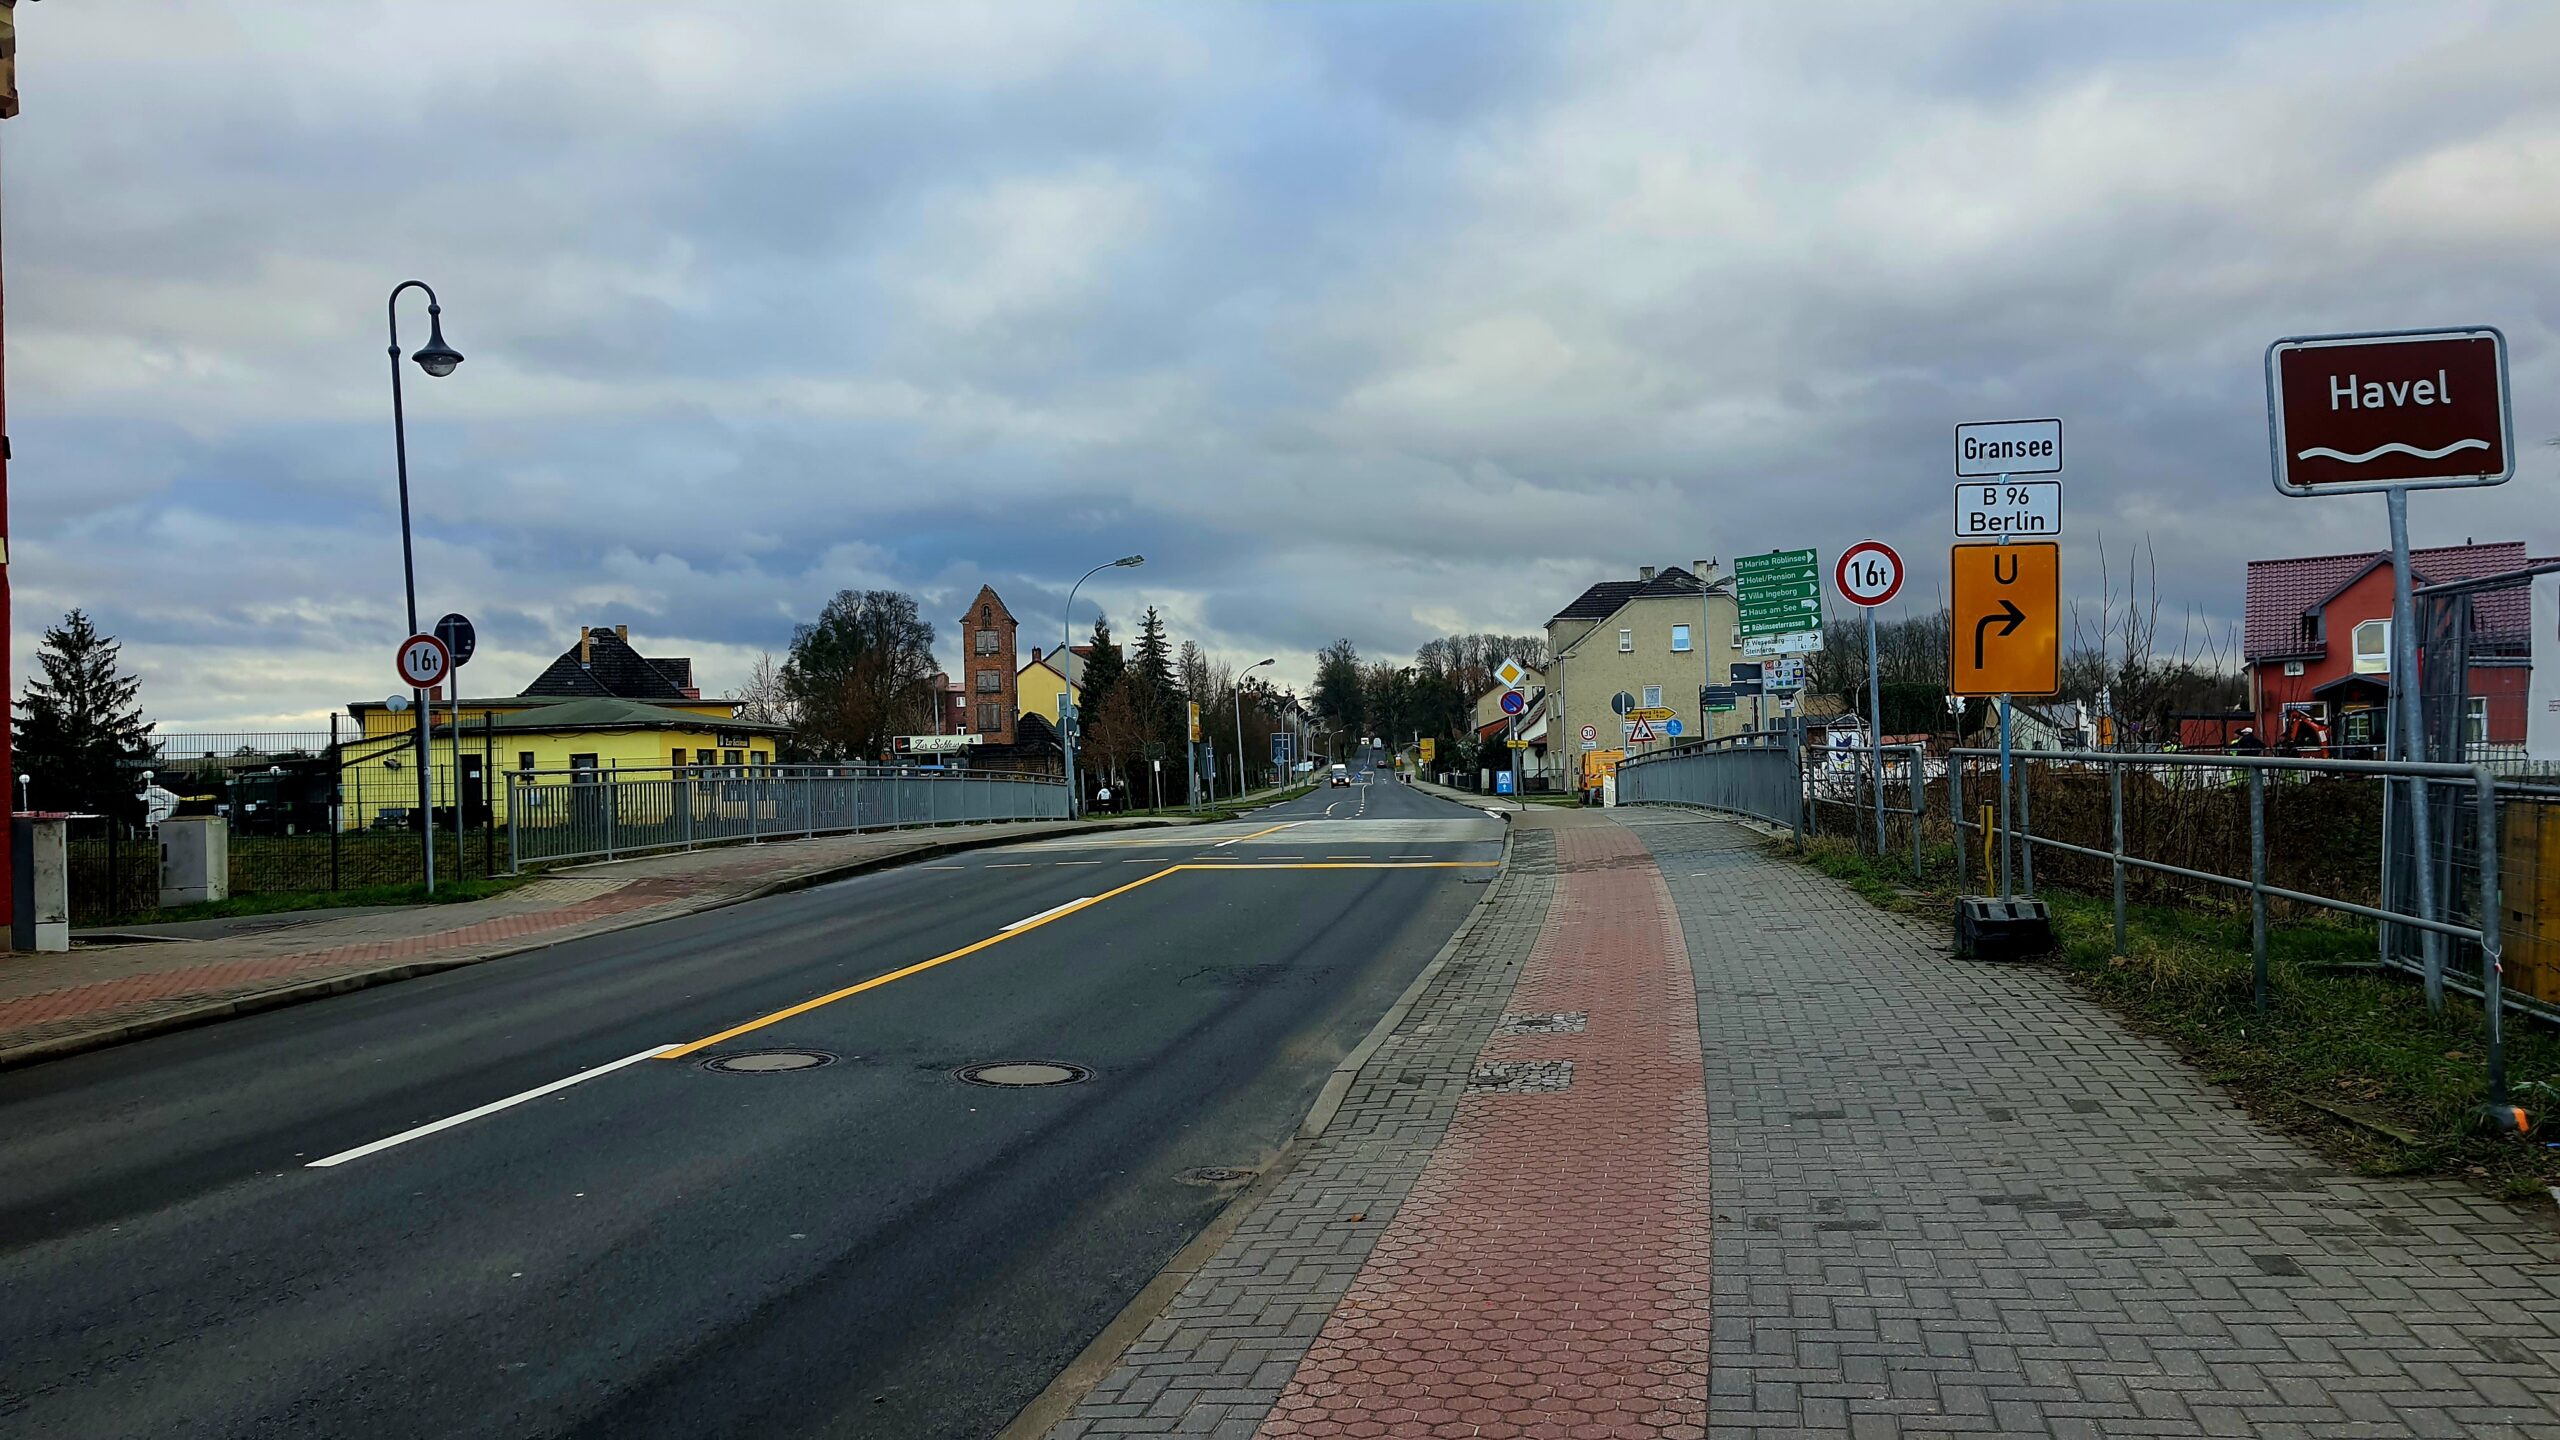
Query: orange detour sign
[(2008, 619)]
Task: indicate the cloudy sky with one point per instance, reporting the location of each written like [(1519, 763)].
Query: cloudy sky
[(1368, 320)]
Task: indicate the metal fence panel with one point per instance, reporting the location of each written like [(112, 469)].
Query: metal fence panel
[(583, 815)]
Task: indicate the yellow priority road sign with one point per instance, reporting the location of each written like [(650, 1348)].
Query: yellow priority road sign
[(2008, 619)]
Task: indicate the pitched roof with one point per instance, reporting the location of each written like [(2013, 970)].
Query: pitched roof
[(607, 712), (986, 596), (2282, 592), (1604, 599), (612, 668)]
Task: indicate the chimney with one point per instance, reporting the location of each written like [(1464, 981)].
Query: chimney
[(586, 647), (1706, 570), (1644, 573), (622, 633), (1035, 654)]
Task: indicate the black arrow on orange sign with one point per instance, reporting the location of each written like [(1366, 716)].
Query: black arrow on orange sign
[(2010, 618)]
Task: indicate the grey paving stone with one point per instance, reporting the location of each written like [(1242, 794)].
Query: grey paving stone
[(2055, 1200)]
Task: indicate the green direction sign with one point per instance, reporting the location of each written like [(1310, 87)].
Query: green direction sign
[(1779, 593)]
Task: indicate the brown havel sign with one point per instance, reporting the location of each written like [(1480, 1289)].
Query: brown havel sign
[(2369, 412)]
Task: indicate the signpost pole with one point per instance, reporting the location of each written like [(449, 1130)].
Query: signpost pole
[(2411, 732), (1875, 726), (461, 866), (2004, 797)]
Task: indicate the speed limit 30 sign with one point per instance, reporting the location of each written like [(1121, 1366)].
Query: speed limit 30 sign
[(423, 662), (1869, 573)]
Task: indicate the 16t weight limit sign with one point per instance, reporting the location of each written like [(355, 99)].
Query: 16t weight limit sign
[(423, 662), (1869, 573)]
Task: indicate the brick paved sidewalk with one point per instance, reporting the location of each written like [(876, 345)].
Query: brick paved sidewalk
[(1947, 1197), (1954, 1197), (59, 1003)]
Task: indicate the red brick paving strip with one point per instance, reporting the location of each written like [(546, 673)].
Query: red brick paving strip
[(1548, 1275)]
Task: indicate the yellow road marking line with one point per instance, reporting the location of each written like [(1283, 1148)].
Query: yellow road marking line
[(1052, 917), (918, 968), (1221, 845)]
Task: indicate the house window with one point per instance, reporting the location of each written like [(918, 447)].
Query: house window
[(524, 761), (990, 717), (759, 757), (2357, 728), (704, 757), (1679, 639), (582, 769), (1652, 696), (1626, 642), (733, 758), (990, 681), (986, 642), (2475, 720), (678, 762), (2373, 647)]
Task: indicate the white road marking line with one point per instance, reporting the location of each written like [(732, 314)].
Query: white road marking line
[(492, 1108), (1052, 910), (1007, 865), (1076, 862)]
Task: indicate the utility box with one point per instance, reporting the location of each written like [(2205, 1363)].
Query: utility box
[(1993, 929), (43, 884), (195, 860), (2529, 893)]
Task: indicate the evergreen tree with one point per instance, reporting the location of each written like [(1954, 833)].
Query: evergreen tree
[(1103, 666), (81, 737), (1159, 692)]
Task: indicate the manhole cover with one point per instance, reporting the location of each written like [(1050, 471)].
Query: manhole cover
[(765, 1062), (1015, 1074), (1214, 1175)]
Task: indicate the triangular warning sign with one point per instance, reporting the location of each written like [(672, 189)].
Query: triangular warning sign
[(1643, 731)]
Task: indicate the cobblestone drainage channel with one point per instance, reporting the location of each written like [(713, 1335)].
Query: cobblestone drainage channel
[(1021, 1074), (768, 1062)]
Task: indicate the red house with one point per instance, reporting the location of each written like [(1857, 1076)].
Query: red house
[(2318, 639)]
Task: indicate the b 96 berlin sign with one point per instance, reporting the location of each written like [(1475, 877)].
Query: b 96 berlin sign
[(2415, 409)]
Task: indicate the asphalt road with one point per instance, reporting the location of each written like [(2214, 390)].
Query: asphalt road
[(868, 1247)]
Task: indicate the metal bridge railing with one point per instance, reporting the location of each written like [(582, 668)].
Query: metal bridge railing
[(604, 814), (2471, 920), (1756, 774)]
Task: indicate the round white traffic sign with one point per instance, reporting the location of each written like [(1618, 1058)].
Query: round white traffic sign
[(1869, 573), (423, 662), (1590, 732)]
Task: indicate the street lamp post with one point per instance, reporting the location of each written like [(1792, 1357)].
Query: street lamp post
[(1249, 669), (1067, 666), (437, 359)]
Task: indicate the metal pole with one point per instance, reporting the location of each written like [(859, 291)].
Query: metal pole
[(1955, 812), (337, 797), (1239, 742), (2492, 938), (515, 849), (1875, 724), (455, 780), (2258, 885), (2005, 870), (1919, 804), (2115, 810), (409, 576), (1795, 763), (2411, 742), (489, 786), (2026, 830)]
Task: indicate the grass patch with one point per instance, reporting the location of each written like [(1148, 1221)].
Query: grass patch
[(273, 902), (2349, 1059)]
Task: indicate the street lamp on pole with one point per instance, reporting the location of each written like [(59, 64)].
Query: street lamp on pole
[(437, 359), (1249, 669), (1067, 667)]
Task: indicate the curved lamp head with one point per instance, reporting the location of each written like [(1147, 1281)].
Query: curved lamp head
[(1125, 561), (1274, 660), (436, 357)]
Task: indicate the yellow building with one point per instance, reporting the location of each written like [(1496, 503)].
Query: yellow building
[(600, 707), (555, 741), (1039, 683)]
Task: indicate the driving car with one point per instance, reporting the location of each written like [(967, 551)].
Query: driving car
[(1341, 775)]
